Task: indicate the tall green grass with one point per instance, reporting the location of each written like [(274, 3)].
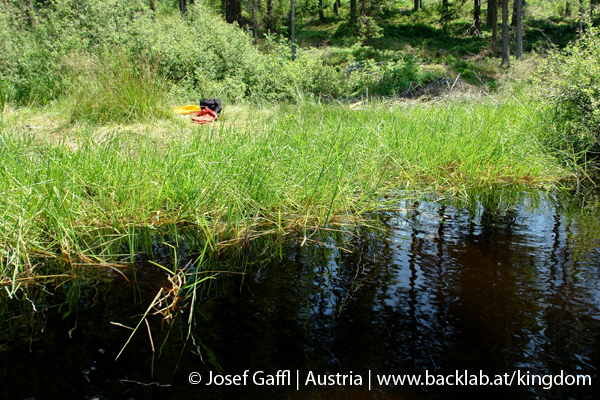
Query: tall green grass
[(119, 89), (306, 167)]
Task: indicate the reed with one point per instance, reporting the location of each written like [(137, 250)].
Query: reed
[(79, 195)]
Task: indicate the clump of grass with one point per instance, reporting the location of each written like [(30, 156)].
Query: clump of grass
[(119, 89), (306, 168)]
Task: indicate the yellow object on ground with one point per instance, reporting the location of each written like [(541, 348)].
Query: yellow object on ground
[(189, 109)]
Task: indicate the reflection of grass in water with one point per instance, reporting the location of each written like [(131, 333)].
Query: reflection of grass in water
[(582, 207), (292, 170)]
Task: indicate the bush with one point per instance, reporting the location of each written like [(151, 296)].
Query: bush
[(35, 43), (571, 82)]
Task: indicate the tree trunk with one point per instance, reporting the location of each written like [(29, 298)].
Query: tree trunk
[(490, 6), (581, 16), (505, 43), (293, 29), (519, 28), (254, 22), (567, 9), (183, 7), (336, 8), (152, 6), (233, 11), (513, 20), (417, 5), (353, 11), (494, 12), (477, 16), (321, 15), (269, 14)]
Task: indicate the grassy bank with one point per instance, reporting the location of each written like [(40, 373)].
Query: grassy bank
[(70, 192)]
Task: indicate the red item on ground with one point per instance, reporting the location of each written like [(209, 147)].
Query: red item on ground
[(205, 116)]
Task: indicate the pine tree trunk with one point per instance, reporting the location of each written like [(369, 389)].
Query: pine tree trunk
[(417, 5), (182, 7), (353, 11), (519, 28), (581, 16), (477, 16), (254, 22), (269, 14), (233, 11), (293, 29), (505, 27), (321, 15), (494, 13), (567, 9)]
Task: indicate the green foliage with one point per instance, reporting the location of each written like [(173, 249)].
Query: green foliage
[(571, 80), (35, 43), (398, 76), (69, 48), (474, 73), (378, 72), (450, 13), (342, 56)]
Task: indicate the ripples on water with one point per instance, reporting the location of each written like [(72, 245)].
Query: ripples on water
[(493, 287)]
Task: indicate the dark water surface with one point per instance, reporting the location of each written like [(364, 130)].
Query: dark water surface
[(502, 286)]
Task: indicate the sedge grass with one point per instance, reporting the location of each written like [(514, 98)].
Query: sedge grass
[(301, 167), (117, 88)]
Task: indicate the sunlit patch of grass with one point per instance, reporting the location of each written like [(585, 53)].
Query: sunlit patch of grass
[(119, 89)]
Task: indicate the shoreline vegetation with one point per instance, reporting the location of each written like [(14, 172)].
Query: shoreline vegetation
[(91, 153), (70, 194)]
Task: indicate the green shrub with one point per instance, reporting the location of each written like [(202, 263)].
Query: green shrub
[(571, 83), (34, 44), (398, 76)]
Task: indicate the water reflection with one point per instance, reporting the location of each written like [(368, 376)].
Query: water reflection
[(497, 285)]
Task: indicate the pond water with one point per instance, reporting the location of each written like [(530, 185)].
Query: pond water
[(505, 287)]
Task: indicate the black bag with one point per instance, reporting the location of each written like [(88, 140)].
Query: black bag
[(213, 104)]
